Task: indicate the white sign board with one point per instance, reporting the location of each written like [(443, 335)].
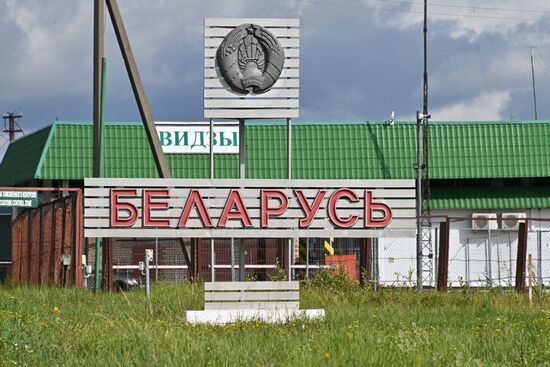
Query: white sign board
[(194, 137), (281, 100), (176, 208)]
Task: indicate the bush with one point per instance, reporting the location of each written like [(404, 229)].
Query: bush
[(278, 273), (334, 279)]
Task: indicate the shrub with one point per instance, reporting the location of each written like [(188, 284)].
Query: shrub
[(334, 279), (279, 273)]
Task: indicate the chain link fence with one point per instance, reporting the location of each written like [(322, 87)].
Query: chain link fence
[(477, 257)]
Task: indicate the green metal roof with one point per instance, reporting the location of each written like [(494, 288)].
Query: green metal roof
[(23, 157), (474, 197), (490, 150), (344, 150)]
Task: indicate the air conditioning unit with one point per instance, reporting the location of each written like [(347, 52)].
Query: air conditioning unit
[(511, 221), (484, 221)]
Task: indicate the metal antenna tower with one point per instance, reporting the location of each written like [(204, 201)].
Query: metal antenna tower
[(424, 249)]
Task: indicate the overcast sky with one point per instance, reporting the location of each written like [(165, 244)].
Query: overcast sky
[(360, 59)]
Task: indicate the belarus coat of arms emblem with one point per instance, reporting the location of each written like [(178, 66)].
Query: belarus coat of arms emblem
[(250, 59)]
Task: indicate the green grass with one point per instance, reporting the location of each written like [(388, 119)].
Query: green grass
[(43, 326)]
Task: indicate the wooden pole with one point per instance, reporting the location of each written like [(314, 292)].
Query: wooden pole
[(520, 258), (99, 32), (443, 260), (137, 87)]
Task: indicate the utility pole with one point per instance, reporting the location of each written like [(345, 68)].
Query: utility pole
[(99, 53), (11, 118), (533, 80), (98, 95), (10, 128)]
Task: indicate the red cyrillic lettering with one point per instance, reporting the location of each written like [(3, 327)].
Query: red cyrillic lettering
[(309, 211), (195, 199), (266, 211), (342, 222), (117, 206), (370, 207), (148, 206), (234, 199)]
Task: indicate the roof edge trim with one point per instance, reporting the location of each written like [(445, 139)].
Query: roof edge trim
[(37, 174)]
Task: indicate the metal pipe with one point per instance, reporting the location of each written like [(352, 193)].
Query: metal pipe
[(499, 275), (467, 262), (211, 153), (436, 252), (539, 262), (97, 283), (147, 278), (211, 147), (289, 148), (510, 272), (241, 260), (375, 261), (156, 259), (212, 261), (289, 176), (307, 258), (233, 275), (418, 203), (242, 175), (530, 269), (489, 261), (242, 151), (289, 272)]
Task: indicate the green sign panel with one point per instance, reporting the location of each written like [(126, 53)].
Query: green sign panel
[(20, 199)]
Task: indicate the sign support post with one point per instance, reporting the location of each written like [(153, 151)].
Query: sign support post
[(242, 176), (289, 176), (212, 255)]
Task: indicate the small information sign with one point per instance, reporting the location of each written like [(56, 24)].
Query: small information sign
[(18, 198)]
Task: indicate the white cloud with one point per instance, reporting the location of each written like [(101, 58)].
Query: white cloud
[(470, 20), (48, 56), (487, 106)]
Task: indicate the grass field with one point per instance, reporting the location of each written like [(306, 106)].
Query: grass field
[(392, 327)]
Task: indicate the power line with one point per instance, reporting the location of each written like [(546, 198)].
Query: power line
[(432, 13), (472, 7)]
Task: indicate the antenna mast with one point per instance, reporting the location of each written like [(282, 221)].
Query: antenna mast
[(424, 250), (533, 80)]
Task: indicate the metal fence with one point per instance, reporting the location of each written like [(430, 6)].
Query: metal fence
[(477, 258), (487, 258)]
